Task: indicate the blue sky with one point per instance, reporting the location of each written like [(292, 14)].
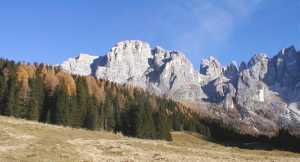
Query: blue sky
[(51, 31)]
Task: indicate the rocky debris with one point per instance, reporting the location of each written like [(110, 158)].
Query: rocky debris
[(263, 91)]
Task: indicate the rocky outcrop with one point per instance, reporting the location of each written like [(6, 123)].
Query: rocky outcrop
[(166, 73), (211, 67), (80, 65), (126, 62), (261, 96), (266, 88)]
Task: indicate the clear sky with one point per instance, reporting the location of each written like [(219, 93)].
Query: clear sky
[(51, 31)]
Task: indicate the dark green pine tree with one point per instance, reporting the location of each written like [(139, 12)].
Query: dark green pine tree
[(118, 102), (60, 112), (37, 97), (21, 104), (109, 110), (49, 105), (79, 112), (9, 100), (33, 110), (55, 112), (162, 125), (146, 128), (3, 88), (137, 121), (177, 121), (91, 117), (73, 111), (131, 120), (189, 124)]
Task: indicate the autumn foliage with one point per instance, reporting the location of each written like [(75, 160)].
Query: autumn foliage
[(94, 89), (67, 82), (24, 73), (48, 94)]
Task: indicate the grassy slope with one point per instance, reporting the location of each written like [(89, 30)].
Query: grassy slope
[(22, 140)]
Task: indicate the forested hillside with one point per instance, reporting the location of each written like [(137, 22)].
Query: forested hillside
[(48, 94)]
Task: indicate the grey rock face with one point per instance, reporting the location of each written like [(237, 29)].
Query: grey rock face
[(266, 88), (80, 65), (231, 71), (265, 92), (127, 62), (211, 67), (166, 73), (175, 77)]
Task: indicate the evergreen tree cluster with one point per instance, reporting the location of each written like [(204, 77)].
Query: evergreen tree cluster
[(47, 94)]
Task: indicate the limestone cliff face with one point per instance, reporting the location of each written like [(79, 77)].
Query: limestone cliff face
[(211, 67), (80, 65), (126, 62), (264, 93), (166, 73)]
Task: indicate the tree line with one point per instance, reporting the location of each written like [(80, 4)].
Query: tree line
[(48, 94)]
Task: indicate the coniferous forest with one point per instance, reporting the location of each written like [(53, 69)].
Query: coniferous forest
[(47, 94)]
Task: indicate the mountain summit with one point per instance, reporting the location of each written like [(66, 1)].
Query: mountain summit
[(260, 97), (167, 73)]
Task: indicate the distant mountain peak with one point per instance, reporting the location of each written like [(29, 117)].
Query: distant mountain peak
[(211, 67), (85, 56), (286, 51), (80, 65)]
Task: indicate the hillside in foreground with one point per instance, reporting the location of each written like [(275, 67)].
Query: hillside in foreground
[(22, 140)]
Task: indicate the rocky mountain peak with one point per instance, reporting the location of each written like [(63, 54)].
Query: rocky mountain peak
[(160, 71), (131, 44), (258, 66), (158, 50), (129, 47), (80, 65), (126, 62), (288, 51), (211, 67), (231, 71), (258, 58), (85, 57)]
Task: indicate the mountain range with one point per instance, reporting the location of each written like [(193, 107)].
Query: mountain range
[(260, 97)]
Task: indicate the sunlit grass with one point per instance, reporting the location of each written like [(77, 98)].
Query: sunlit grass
[(22, 140)]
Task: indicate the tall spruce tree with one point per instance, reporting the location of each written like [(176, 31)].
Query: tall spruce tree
[(131, 120), (60, 112), (109, 116), (91, 117), (37, 97), (162, 125), (32, 112), (146, 127), (9, 99), (82, 96)]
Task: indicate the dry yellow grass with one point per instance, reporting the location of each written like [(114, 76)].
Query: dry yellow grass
[(27, 141)]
